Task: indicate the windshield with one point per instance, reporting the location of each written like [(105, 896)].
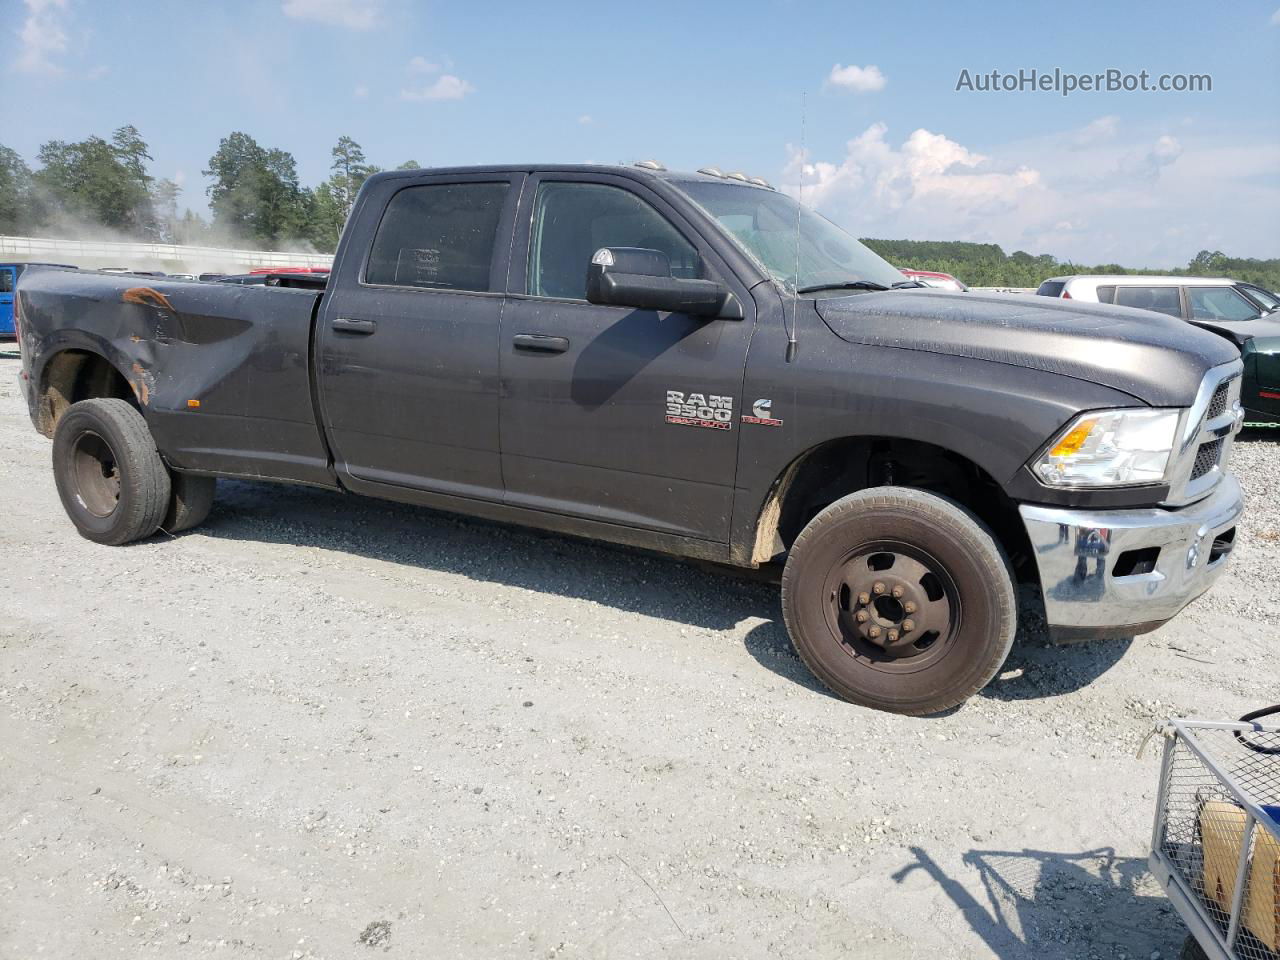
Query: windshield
[(1264, 298), (764, 224)]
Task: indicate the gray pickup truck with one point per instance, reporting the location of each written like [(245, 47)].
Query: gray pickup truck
[(689, 363)]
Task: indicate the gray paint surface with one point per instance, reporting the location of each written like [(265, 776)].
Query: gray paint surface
[(438, 407)]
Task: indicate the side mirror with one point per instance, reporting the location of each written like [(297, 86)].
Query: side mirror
[(641, 278)]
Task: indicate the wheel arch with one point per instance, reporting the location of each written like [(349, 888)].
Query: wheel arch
[(837, 467), (76, 373)]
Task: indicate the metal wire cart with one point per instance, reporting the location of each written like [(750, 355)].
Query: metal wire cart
[(1216, 844)]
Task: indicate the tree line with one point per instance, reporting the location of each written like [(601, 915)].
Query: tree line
[(987, 265), (96, 186), (102, 186)]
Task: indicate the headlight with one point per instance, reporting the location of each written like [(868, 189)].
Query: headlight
[(1111, 448)]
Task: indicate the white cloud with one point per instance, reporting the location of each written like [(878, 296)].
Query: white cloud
[(928, 169), (423, 65), (1104, 128), (1147, 163), (866, 79), (42, 38), (446, 87), (97, 73), (360, 92), (350, 14), (1275, 18), (1138, 198), (586, 119)]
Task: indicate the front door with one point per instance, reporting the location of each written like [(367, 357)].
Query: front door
[(408, 337), (610, 413), (7, 277)]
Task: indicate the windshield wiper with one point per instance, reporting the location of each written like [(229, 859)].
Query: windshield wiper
[(846, 285)]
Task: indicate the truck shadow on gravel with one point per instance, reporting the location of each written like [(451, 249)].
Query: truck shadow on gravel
[(700, 595), (1058, 906)]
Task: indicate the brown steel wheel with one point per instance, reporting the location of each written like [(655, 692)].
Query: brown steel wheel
[(900, 600)]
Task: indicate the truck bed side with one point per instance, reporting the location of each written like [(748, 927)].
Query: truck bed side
[(220, 371)]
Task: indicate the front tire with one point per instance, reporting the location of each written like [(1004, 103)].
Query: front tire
[(113, 484), (899, 600)]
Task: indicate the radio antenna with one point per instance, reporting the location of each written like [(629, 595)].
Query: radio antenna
[(795, 292)]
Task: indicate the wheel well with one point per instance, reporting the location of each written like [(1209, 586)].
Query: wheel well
[(75, 375), (837, 468)]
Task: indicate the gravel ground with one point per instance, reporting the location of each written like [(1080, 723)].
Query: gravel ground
[(330, 727)]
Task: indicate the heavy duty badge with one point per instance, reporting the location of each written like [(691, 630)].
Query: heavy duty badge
[(699, 410), (762, 414)]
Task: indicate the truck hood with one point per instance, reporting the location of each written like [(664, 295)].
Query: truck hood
[(1156, 359)]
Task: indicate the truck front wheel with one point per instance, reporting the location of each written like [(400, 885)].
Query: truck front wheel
[(900, 600), (113, 484)]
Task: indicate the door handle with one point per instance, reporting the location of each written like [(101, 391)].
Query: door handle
[(539, 343), (347, 325)]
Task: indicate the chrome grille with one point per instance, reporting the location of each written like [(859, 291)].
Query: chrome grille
[(1206, 458), (1218, 404), (1205, 436)]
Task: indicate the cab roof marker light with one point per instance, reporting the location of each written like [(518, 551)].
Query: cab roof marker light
[(649, 165), (738, 175), (760, 182), (712, 172)]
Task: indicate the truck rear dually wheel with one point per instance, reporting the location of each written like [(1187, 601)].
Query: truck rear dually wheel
[(900, 600), (190, 503), (113, 484)]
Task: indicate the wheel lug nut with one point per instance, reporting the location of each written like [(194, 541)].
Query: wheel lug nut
[(873, 632), (861, 616), (892, 636), (908, 626), (909, 606), (897, 591), (878, 588), (864, 598)]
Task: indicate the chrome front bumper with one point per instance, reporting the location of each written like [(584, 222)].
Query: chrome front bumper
[(1168, 557)]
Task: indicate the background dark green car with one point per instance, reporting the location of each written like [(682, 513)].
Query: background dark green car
[(1259, 340), (1244, 313)]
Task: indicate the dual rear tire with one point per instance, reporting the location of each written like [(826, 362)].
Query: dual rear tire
[(112, 482)]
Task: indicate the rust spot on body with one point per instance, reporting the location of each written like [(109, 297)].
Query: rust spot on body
[(147, 297), (142, 385)]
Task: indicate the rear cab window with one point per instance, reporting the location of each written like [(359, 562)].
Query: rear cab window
[(1160, 299), (438, 236), (1051, 288)]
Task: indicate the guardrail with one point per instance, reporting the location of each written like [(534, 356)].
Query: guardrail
[(169, 256)]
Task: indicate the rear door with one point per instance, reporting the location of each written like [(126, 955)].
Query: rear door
[(8, 275), (611, 413), (408, 336)]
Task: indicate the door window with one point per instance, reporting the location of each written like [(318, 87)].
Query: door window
[(571, 221), (438, 236), (1160, 299), (1220, 303), (6, 281)]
